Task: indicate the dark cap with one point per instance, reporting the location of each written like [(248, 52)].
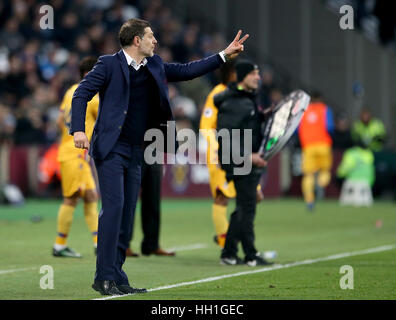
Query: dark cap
[(243, 67)]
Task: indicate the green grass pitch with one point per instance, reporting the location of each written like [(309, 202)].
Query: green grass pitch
[(282, 225)]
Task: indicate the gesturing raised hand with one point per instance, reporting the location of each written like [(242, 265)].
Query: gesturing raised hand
[(236, 46)]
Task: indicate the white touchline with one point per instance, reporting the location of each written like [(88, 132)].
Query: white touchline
[(189, 247), (16, 270), (273, 267)]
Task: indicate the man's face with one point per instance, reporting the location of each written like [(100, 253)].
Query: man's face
[(267, 77), (365, 117), (147, 43), (252, 80)]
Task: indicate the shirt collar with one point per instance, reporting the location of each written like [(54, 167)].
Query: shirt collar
[(132, 62)]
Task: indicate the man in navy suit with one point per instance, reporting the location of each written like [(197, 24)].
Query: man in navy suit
[(133, 92)]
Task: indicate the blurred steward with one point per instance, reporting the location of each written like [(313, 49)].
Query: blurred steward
[(358, 174), (371, 131), (357, 164)]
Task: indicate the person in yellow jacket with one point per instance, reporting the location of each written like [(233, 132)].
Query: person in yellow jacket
[(221, 190), (76, 176), (370, 130)]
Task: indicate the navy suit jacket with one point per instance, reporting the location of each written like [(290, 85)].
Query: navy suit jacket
[(110, 77)]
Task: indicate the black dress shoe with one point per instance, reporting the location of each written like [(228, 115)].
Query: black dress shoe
[(130, 290), (107, 288)]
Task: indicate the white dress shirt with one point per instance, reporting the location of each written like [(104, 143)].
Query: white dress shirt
[(133, 63)]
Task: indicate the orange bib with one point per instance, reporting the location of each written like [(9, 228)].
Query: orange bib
[(313, 128)]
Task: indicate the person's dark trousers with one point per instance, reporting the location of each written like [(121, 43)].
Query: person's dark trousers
[(150, 206), (119, 182), (241, 227)]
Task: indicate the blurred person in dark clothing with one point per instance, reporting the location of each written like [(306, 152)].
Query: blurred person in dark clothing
[(360, 11), (29, 127), (5, 12), (14, 82), (109, 44), (96, 33), (11, 36), (188, 45), (114, 18), (342, 138), (7, 124), (276, 96), (68, 30), (267, 85), (237, 109), (83, 45), (385, 11)]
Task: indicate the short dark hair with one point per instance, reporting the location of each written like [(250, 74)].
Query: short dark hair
[(130, 29), (86, 65)]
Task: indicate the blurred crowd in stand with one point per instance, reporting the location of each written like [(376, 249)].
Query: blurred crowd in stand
[(37, 66)]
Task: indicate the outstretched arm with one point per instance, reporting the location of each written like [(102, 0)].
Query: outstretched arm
[(188, 71)]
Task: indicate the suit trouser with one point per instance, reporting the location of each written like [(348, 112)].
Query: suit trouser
[(150, 206), (241, 228), (119, 183)]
